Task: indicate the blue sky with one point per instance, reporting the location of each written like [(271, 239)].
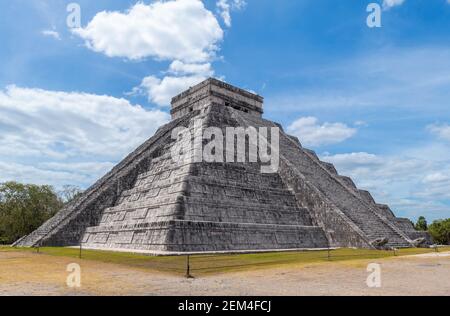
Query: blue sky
[(374, 101)]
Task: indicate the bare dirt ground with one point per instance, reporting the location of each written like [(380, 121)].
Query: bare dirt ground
[(23, 273)]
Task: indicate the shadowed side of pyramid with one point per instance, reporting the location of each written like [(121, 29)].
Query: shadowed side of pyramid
[(153, 204), (69, 225)]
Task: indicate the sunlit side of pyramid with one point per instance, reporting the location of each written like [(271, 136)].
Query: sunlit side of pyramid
[(150, 203)]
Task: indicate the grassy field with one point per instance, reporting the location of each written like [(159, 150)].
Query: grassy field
[(211, 264)]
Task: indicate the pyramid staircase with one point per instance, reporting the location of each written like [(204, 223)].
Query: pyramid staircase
[(338, 190)]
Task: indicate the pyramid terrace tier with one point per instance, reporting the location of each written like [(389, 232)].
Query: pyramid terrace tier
[(187, 236)]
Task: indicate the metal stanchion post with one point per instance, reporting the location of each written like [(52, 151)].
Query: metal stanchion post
[(330, 232), (188, 268)]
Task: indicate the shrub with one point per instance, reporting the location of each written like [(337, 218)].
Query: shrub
[(422, 224), (23, 208), (440, 230)]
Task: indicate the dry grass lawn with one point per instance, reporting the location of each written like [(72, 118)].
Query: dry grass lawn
[(25, 272)]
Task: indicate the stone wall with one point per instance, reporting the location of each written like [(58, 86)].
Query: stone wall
[(213, 91)]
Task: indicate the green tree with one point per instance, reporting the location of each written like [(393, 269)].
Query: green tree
[(440, 230), (24, 207), (422, 224)]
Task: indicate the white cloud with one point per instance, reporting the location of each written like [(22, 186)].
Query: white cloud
[(161, 91), (374, 168), (51, 33), (51, 135), (225, 7), (442, 131), (182, 31), (361, 123), (80, 174), (387, 4), (179, 68), (181, 77), (166, 30), (355, 160), (312, 133), (436, 177)]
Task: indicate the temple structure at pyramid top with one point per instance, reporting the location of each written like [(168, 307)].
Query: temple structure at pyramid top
[(216, 92), (154, 204)]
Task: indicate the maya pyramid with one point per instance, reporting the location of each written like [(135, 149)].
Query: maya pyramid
[(153, 204)]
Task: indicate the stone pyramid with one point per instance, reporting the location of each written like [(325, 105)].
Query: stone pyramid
[(152, 204)]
